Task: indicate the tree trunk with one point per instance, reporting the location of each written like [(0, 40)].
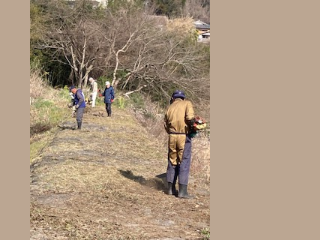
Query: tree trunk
[(71, 77)]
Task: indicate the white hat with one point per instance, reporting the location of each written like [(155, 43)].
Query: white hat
[(107, 83), (91, 79)]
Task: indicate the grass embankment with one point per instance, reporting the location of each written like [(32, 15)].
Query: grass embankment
[(107, 180), (48, 108)]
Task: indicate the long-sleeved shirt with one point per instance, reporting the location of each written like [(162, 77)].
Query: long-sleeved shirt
[(79, 99), (177, 115), (94, 86)]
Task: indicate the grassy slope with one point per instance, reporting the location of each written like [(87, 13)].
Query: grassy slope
[(107, 182)]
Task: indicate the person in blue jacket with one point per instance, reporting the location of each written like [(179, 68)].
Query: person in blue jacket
[(108, 97), (80, 104)]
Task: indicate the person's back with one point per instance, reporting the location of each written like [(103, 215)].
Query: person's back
[(177, 114), (178, 119)]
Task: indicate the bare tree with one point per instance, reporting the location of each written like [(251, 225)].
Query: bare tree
[(158, 57), (198, 9), (72, 33), (138, 51), (123, 30)]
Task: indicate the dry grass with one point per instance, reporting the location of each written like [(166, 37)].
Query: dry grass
[(151, 117), (48, 107), (183, 26), (200, 165), (104, 182), (37, 84), (101, 183)]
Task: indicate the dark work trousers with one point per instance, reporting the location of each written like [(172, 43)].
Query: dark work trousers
[(108, 108), (181, 171), (79, 115)]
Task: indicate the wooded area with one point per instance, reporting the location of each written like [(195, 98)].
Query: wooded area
[(147, 46)]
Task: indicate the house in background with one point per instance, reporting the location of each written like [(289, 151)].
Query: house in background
[(95, 3), (203, 30)]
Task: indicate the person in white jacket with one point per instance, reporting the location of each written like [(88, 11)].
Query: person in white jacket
[(94, 87)]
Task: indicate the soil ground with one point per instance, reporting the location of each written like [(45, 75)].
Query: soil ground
[(107, 181)]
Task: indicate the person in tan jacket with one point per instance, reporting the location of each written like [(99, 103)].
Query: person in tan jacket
[(178, 122)]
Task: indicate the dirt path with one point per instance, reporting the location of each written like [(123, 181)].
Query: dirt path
[(107, 181)]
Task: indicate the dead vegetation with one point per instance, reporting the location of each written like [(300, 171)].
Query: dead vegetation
[(107, 181), (37, 85), (47, 110), (151, 117), (125, 44)]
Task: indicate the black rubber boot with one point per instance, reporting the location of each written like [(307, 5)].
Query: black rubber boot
[(172, 189), (79, 125), (183, 191)]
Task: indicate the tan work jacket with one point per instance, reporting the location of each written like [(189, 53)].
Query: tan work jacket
[(176, 116)]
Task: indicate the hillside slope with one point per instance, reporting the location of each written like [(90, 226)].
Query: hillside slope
[(107, 181)]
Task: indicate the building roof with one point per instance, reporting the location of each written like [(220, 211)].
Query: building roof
[(201, 25)]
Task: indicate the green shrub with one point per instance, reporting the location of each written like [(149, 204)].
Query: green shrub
[(121, 102), (42, 104), (137, 100), (47, 112), (102, 82), (205, 232)]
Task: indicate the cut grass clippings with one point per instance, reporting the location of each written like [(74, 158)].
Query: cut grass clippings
[(103, 182)]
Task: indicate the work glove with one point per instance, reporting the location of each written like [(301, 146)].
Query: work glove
[(77, 106), (112, 100)]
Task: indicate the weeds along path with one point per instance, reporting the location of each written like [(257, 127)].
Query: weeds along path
[(107, 181)]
